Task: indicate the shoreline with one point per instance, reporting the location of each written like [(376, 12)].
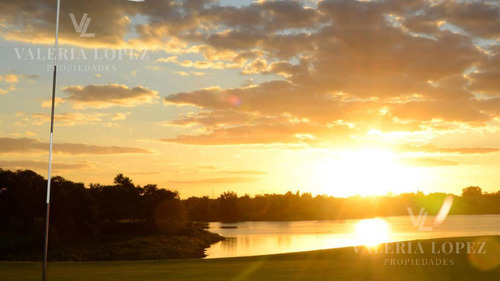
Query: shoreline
[(331, 264), (415, 241), (191, 244)]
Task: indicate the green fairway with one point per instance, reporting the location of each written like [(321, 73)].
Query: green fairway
[(335, 264)]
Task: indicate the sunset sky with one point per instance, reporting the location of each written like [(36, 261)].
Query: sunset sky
[(329, 97)]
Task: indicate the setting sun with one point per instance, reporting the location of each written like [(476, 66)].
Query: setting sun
[(368, 171)]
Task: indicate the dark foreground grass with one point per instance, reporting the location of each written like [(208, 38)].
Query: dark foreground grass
[(336, 264)]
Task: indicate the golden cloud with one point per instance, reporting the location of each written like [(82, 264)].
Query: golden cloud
[(428, 162), (215, 180), (41, 165), (458, 150), (389, 65), (9, 80), (104, 96), (30, 145), (265, 133)]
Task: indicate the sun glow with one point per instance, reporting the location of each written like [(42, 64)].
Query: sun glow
[(364, 172), (371, 232)]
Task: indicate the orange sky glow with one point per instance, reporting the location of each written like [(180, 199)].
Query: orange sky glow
[(337, 97)]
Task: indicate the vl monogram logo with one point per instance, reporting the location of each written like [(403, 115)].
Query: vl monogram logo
[(419, 221), (82, 26)]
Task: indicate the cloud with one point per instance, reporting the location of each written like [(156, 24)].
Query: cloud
[(271, 133), (41, 165), (8, 90), (48, 103), (227, 180), (490, 105), (104, 96), (214, 170), (207, 167), (257, 66), (67, 119), (347, 67), (272, 98), (194, 64), (33, 22), (211, 118), (72, 118), (458, 150), (29, 145), (356, 63), (447, 111), (198, 73), (486, 79), (243, 172), (428, 162), (476, 18), (181, 73), (9, 81), (120, 116), (9, 78)]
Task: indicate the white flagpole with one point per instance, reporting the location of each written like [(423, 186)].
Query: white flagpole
[(47, 215), (49, 177)]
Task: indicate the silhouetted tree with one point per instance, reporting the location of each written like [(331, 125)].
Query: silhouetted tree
[(115, 209), (472, 200), (200, 208), (22, 199), (228, 206), (72, 213), (472, 192)]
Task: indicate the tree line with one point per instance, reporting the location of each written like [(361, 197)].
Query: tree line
[(123, 207), (296, 206)]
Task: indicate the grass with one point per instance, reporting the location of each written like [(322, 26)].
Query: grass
[(335, 264)]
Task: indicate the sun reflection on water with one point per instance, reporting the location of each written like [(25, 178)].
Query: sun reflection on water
[(372, 232)]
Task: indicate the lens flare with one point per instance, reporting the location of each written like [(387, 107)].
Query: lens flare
[(445, 209), (234, 100)]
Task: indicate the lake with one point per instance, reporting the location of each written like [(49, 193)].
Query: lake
[(271, 237)]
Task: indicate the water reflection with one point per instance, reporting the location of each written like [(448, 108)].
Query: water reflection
[(259, 238), (372, 232)]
